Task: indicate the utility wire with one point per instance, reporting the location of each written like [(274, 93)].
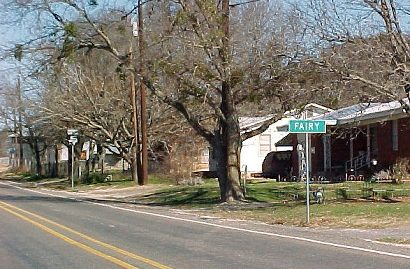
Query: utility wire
[(244, 3)]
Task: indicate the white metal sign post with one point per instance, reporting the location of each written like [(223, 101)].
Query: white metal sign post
[(72, 165), (307, 127), (72, 141), (307, 179)]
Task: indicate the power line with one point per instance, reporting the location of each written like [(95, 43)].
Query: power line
[(246, 2)]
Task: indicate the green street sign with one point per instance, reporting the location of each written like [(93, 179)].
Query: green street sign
[(307, 126)]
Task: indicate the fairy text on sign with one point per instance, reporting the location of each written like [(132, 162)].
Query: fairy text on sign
[(307, 126)]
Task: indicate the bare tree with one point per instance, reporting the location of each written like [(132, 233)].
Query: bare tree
[(201, 60), (18, 119), (364, 44), (209, 65), (66, 27), (93, 98)]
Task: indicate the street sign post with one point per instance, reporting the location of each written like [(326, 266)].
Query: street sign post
[(307, 127)]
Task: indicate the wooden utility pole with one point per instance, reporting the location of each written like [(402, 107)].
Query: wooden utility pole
[(143, 180), (133, 97), (20, 124), (225, 25), (18, 54)]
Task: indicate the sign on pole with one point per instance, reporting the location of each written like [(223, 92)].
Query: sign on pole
[(72, 140), (307, 127), (73, 132)]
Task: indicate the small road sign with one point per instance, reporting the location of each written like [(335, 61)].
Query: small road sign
[(73, 140), (307, 126), (73, 132)]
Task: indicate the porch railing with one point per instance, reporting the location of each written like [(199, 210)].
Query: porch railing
[(357, 162)]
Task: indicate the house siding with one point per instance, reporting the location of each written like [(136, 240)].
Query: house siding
[(404, 137), (318, 155), (340, 151), (295, 156), (386, 155)]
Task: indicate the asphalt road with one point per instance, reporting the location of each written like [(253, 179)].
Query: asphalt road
[(42, 231)]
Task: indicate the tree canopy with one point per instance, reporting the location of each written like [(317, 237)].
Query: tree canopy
[(210, 61)]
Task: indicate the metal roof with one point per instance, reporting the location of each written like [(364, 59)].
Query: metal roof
[(251, 123), (365, 112), (348, 112)]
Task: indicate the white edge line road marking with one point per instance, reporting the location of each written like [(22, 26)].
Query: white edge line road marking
[(387, 243), (222, 226)]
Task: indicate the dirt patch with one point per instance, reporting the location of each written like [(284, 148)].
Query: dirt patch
[(393, 240), (3, 168), (118, 192)]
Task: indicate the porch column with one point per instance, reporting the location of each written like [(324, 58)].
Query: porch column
[(368, 145)]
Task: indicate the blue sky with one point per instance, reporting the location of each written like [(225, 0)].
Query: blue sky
[(19, 32)]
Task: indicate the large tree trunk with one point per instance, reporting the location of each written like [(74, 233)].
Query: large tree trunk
[(227, 153), (37, 154), (228, 137), (132, 161), (96, 157), (135, 170), (33, 143), (227, 149), (87, 168), (56, 170)]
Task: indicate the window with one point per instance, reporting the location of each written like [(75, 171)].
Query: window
[(205, 155), (264, 144), (395, 136)]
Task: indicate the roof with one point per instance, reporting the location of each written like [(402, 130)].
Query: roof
[(312, 108), (349, 112), (364, 113), (251, 123)]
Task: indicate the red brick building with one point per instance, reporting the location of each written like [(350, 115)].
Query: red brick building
[(362, 138)]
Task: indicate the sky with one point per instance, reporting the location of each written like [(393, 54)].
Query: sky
[(17, 32)]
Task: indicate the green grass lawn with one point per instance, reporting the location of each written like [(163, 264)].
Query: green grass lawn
[(334, 214), (348, 204), (284, 203)]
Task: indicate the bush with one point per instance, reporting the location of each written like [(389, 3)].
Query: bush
[(30, 177), (94, 178), (401, 169), (342, 193), (383, 175)]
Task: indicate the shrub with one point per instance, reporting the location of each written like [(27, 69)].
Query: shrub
[(383, 175), (94, 178), (342, 193), (401, 169)]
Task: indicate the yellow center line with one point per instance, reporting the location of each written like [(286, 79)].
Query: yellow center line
[(69, 240), (103, 244)]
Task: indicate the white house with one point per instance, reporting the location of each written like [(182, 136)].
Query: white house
[(255, 149), (262, 153)]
